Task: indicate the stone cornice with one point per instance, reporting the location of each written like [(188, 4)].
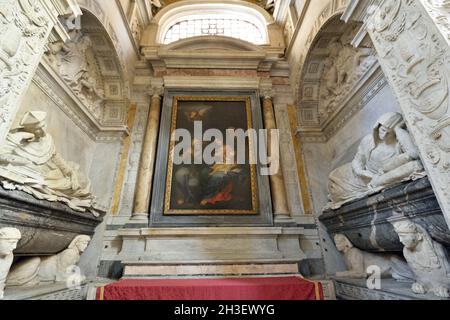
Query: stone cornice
[(214, 53)]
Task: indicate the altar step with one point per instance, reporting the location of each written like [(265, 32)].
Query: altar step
[(204, 269), (356, 289)]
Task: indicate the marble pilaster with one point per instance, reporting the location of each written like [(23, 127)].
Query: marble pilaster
[(148, 157), (415, 57), (278, 189)]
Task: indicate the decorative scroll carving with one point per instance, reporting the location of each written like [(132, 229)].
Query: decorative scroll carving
[(23, 32), (415, 58), (439, 10)]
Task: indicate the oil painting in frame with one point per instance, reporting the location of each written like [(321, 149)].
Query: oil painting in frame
[(216, 189)]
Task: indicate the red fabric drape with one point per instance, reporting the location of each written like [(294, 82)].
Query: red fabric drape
[(276, 288)]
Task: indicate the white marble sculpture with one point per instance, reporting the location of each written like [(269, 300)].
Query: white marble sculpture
[(385, 157), (9, 237), (75, 62), (427, 258), (29, 162), (342, 69), (358, 262), (57, 268)]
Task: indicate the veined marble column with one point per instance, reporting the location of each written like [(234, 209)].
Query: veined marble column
[(25, 30), (277, 186), (415, 57), (147, 163)]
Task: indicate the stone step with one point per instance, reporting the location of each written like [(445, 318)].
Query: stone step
[(152, 269)]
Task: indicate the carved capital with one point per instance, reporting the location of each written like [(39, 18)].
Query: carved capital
[(268, 93), (156, 91)]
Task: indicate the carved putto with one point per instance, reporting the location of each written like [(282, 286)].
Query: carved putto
[(427, 258), (29, 162), (9, 237), (385, 157), (75, 62), (342, 69), (358, 262), (57, 268)]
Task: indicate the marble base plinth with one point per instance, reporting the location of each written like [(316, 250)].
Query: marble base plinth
[(356, 289), (211, 251), (366, 221), (46, 227), (57, 291), (211, 244)]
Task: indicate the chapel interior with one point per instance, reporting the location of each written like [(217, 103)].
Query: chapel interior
[(356, 93)]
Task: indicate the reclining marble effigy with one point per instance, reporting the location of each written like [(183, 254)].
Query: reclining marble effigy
[(29, 162), (385, 157)]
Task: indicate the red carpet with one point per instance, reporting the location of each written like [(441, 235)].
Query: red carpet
[(283, 288)]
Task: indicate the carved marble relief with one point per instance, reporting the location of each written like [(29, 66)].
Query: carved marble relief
[(9, 237), (416, 59), (23, 32), (76, 63), (358, 262), (343, 68), (439, 10), (50, 269), (30, 163), (334, 80), (427, 258)]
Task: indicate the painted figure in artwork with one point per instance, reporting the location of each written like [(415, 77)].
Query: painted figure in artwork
[(220, 183)]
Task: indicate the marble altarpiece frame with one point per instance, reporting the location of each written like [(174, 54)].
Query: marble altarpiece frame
[(255, 210)]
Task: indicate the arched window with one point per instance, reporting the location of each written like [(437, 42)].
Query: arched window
[(214, 25), (220, 19)]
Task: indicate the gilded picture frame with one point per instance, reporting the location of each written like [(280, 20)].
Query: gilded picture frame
[(238, 196)]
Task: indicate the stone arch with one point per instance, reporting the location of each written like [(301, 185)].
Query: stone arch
[(171, 13), (91, 66), (332, 72), (330, 10), (94, 9)]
